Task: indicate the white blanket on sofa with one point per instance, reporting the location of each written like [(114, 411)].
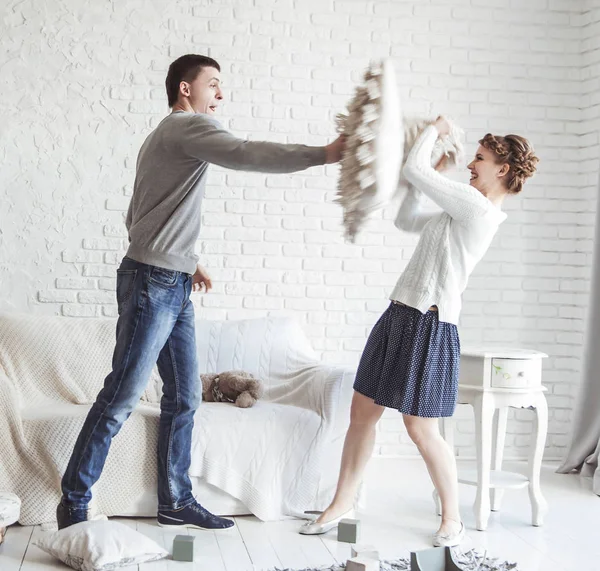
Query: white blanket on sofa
[(270, 457)]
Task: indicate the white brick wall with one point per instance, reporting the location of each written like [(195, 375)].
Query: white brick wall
[(82, 85)]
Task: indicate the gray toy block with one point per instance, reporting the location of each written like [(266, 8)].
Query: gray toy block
[(183, 548), (368, 551), (435, 559), (362, 564), (349, 530)]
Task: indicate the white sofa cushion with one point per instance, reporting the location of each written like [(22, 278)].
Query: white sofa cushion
[(253, 454)]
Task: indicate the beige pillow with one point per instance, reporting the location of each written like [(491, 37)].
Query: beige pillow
[(100, 546), (451, 147), (372, 157)]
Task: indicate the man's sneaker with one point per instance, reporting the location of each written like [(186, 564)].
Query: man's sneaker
[(66, 516), (193, 516)]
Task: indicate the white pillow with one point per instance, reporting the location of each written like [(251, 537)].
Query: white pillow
[(10, 509), (372, 157), (100, 546), (450, 146)]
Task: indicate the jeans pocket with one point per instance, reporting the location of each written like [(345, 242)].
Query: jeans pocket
[(125, 283), (163, 277)]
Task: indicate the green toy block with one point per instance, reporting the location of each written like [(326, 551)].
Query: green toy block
[(435, 559), (349, 530), (183, 548)]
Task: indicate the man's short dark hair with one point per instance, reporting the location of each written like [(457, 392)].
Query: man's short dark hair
[(185, 68)]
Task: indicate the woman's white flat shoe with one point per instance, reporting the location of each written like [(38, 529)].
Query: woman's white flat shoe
[(314, 528), (449, 539)]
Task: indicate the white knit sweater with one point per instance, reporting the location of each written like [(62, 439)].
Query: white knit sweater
[(451, 242)]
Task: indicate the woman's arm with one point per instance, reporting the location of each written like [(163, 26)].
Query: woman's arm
[(461, 201), (411, 216)]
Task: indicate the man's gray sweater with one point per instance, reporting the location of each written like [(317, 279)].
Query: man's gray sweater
[(164, 214)]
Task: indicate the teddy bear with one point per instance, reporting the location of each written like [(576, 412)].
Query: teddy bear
[(237, 387)]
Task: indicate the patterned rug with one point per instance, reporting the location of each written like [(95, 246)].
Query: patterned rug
[(468, 561)]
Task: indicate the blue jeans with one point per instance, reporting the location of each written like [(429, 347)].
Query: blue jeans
[(155, 325)]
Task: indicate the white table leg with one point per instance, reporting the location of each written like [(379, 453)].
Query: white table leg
[(484, 416), (500, 419), (539, 506)]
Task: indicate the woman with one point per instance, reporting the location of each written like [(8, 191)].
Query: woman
[(411, 359)]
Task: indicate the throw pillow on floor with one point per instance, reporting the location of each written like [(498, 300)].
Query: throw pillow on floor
[(100, 546)]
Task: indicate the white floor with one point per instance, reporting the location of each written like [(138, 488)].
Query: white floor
[(399, 518)]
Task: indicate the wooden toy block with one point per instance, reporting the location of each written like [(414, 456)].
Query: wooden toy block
[(368, 551), (349, 530), (362, 564), (183, 548), (435, 559)]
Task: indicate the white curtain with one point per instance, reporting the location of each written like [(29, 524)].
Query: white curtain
[(585, 439)]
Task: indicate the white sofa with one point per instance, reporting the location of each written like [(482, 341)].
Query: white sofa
[(276, 459)]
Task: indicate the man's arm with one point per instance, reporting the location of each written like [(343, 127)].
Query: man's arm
[(203, 137)]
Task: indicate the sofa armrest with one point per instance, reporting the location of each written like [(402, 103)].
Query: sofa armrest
[(328, 391), (324, 389)]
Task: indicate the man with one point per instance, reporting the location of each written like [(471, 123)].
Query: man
[(154, 282)]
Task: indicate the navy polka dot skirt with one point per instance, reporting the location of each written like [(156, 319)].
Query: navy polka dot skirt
[(411, 363)]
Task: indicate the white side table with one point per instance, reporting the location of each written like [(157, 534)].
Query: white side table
[(10, 510), (492, 380)]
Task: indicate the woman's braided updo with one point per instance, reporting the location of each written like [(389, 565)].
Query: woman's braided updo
[(518, 153)]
